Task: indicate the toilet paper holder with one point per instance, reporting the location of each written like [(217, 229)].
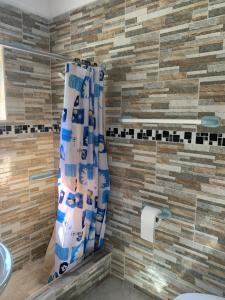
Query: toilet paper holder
[(165, 214), (151, 218)]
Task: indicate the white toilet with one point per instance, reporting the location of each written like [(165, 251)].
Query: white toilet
[(196, 296)]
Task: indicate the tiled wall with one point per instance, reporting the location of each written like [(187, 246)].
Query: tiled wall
[(27, 174), (164, 59), (21, 27)]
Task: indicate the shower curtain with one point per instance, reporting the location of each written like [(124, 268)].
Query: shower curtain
[(83, 179)]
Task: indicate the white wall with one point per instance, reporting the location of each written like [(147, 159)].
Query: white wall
[(47, 8), (58, 7), (39, 7)]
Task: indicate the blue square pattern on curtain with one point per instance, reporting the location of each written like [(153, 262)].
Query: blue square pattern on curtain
[(70, 170), (61, 252)]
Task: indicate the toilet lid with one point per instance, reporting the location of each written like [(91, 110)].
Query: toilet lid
[(196, 296)]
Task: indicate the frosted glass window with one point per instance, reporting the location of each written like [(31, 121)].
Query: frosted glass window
[(2, 86)]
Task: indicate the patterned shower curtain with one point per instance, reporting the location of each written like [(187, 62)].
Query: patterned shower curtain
[(83, 180)]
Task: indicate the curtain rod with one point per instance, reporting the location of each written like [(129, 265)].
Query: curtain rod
[(46, 54), (33, 51)]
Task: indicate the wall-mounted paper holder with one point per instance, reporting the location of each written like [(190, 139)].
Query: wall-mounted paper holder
[(165, 214), (151, 218)]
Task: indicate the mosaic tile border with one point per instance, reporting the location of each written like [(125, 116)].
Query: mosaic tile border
[(11, 130), (183, 137)]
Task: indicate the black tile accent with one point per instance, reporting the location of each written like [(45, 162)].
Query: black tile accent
[(139, 135), (166, 133), (213, 137), (131, 131), (199, 140), (158, 137), (187, 135), (176, 138), (149, 132)]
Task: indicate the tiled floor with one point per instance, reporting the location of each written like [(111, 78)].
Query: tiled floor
[(114, 289), (25, 281)]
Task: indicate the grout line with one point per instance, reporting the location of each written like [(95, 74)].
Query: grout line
[(124, 264), (70, 45), (199, 86), (208, 10), (196, 204), (156, 151), (159, 51)]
